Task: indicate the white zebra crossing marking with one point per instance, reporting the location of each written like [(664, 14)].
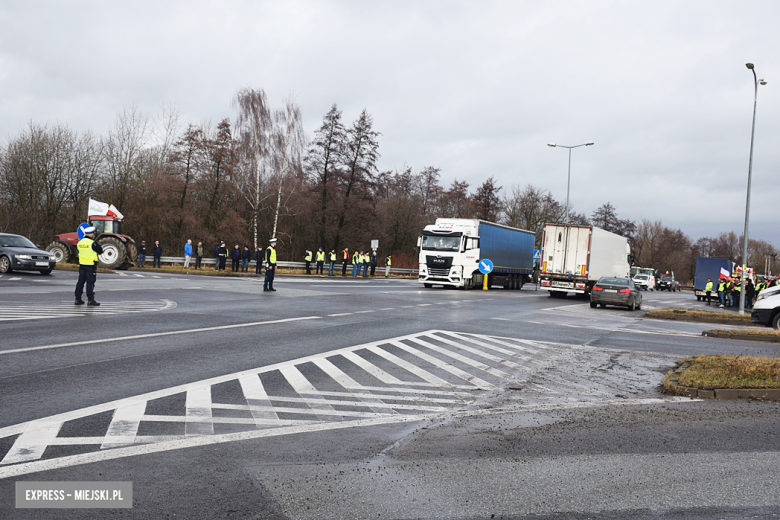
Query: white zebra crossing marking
[(355, 386), (13, 312)]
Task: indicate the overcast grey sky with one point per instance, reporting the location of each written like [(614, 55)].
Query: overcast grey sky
[(474, 88)]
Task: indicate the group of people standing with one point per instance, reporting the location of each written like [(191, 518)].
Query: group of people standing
[(361, 261), (730, 289)]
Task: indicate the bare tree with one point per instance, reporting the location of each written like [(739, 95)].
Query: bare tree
[(287, 144), (254, 125)]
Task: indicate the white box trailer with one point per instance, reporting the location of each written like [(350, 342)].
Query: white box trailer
[(575, 257)]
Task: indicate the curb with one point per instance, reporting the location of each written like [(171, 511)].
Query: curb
[(719, 393), (739, 335)]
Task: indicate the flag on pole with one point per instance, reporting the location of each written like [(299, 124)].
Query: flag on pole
[(724, 273), (101, 209)]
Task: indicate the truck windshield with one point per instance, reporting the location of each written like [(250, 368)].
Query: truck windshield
[(440, 243)]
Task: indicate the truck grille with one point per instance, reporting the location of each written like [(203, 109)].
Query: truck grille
[(439, 273)]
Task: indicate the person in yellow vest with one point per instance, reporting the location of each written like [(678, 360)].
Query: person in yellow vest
[(708, 290), (332, 260), (270, 266), (736, 289), (721, 291), (307, 257), (320, 262), (355, 264), (388, 263), (88, 259)]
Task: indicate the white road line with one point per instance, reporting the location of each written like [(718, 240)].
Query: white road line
[(31, 444), (486, 355), (124, 425), (257, 399), (341, 314), (306, 390), (372, 369), (476, 381), (12, 279), (198, 420), (347, 382), (158, 334), (409, 367)]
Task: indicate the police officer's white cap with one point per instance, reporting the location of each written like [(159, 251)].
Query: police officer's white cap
[(272, 240), (88, 230)]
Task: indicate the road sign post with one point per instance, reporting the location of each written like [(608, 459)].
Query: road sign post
[(485, 267)]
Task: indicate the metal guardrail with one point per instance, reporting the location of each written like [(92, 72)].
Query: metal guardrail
[(179, 260)]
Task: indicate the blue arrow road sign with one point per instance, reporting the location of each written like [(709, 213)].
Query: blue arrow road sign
[(485, 266), (81, 229), (537, 254)]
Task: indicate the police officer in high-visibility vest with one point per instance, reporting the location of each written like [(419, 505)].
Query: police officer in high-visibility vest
[(388, 263), (270, 266), (721, 291), (308, 258), (332, 260), (88, 259), (320, 262), (708, 290)]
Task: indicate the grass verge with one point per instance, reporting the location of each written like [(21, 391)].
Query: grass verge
[(702, 316), (707, 372)]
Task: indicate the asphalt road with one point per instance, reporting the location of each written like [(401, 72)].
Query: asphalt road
[(349, 398)]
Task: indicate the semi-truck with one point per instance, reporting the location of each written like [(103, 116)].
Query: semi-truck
[(708, 267), (574, 257), (452, 248)]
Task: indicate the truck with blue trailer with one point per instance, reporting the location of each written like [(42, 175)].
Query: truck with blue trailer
[(708, 267), (451, 249)]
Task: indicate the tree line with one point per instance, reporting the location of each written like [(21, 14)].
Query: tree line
[(256, 176)]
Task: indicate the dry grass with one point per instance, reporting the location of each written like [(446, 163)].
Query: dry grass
[(749, 332), (679, 314), (709, 372)]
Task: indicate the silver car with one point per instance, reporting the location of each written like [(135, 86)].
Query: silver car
[(644, 282), (17, 253)]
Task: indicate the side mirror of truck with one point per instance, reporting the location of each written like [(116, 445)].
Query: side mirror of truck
[(419, 241), (631, 259)]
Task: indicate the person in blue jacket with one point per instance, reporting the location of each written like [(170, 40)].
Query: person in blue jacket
[(187, 254)]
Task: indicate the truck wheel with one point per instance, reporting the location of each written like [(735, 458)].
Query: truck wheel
[(698, 298), (114, 253), (5, 265), (132, 253), (427, 285), (60, 251)]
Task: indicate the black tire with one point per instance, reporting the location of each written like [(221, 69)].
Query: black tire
[(45, 272), (603, 305), (593, 305), (132, 253), (114, 253), (698, 298), (632, 307), (5, 265), (60, 251), (427, 285), (639, 306), (776, 322)]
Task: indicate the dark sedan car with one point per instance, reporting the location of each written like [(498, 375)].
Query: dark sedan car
[(616, 291), (18, 253)]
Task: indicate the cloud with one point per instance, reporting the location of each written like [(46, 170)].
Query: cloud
[(475, 88)]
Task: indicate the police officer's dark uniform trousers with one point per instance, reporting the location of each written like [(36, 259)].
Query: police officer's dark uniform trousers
[(270, 268), (88, 258)]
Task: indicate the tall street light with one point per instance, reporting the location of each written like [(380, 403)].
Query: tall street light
[(568, 186), (568, 181), (756, 81)]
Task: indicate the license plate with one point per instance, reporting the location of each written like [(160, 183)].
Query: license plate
[(610, 290), (45, 264), (563, 284)]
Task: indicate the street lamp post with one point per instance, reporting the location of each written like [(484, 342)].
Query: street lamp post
[(756, 81), (568, 180), (568, 186)]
